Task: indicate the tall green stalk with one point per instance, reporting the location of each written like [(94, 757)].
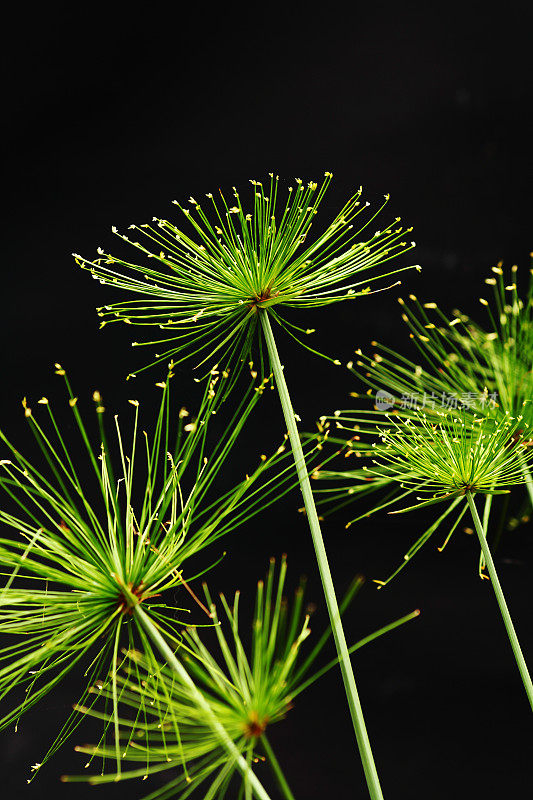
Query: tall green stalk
[(276, 769), (216, 727), (513, 638), (354, 703)]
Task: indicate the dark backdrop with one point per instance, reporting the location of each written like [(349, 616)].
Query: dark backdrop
[(109, 117)]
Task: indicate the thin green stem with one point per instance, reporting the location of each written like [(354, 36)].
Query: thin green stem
[(357, 646), (276, 769), (513, 638), (528, 480), (354, 703), (501, 522), (216, 726), (247, 782)]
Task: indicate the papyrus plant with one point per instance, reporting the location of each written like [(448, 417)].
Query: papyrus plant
[(250, 688), (214, 288), (103, 529), (451, 461), (463, 365)]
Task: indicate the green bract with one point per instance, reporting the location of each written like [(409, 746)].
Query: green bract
[(450, 460), (465, 368), (220, 284), (206, 285), (247, 688), (90, 548), (453, 460), (465, 364), (456, 454)]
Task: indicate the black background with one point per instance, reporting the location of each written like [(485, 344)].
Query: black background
[(111, 115)]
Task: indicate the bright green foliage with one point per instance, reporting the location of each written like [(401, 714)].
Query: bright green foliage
[(463, 366), (248, 689), (505, 353), (455, 455), (466, 364), (220, 286), (449, 460), (206, 286), (92, 541)]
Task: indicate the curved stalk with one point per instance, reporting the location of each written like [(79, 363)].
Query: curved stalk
[(352, 695), (216, 727), (513, 638)]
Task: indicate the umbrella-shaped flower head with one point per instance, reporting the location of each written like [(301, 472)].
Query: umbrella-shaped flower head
[(465, 367), (248, 688), (213, 288), (203, 285), (450, 461), (453, 460), (455, 455), (94, 541)]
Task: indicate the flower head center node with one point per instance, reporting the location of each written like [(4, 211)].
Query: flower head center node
[(262, 297), (127, 600), (254, 727)]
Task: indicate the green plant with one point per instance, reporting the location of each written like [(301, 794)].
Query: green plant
[(98, 546), (167, 730), (208, 284), (216, 294), (464, 366), (456, 425), (452, 461)]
